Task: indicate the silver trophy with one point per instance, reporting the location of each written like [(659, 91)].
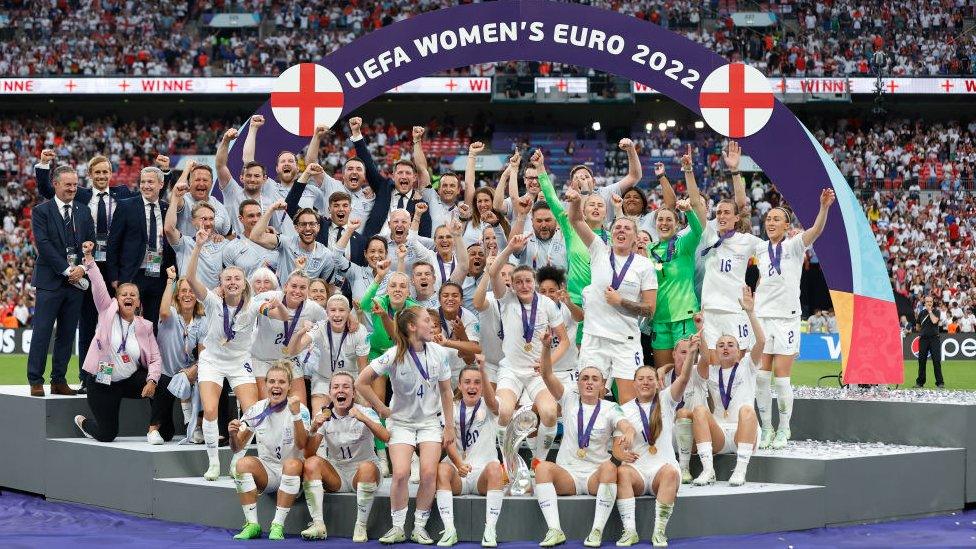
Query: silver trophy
[(524, 421)]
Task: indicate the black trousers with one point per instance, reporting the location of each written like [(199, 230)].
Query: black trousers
[(150, 294), (162, 409), (61, 306), (105, 401), (930, 345)]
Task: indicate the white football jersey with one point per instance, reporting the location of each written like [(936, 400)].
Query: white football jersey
[(778, 291), (604, 426), (480, 434), (513, 346), (339, 353), (217, 348), (269, 338), (663, 442), (605, 320), (743, 388), (347, 441), (725, 269), (415, 399), (275, 434)]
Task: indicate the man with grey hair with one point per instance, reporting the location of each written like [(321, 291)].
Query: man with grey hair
[(59, 226), (199, 179)]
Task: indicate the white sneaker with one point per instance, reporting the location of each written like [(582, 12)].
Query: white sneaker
[(658, 539), (705, 478), (197, 437), (595, 539), (488, 539), (78, 421), (782, 437), (767, 438), (154, 438), (738, 477), (359, 533), (315, 531), (213, 471), (449, 538), (421, 536)]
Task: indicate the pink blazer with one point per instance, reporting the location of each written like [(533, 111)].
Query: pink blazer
[(108, 308)]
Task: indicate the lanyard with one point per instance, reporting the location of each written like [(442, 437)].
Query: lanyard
[(125, 333), (333, 360)]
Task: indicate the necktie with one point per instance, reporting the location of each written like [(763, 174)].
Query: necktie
[(101, 222), (402, 203), (338, 234), (152, 226), (69, 227)]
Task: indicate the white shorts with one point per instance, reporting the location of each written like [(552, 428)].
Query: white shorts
[(274, 476), (615, 359), (415, 434), (531, 383), (648, 467), (729, 429), (581, 479), (568, 378), (236, 373), (492, 370), (346, 473), (720, 323), (261, 367), (782, 336), (469, 483)]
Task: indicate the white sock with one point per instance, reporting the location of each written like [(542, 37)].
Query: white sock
[(314, 494), (662, 512), (399, 517), (743, 451), (187, 408), (606, 495), (628, 513), (420, 517), (784, 398), (211, 435), (705, 455), (682, 431), (493, 507), (280, 514), (445, 505), (546, 494), (364, 501), (764, 398), (543, 441), (250, 513)]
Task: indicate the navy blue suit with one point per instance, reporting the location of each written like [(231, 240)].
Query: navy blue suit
[(383, 187), (57, 300), (127, 246)]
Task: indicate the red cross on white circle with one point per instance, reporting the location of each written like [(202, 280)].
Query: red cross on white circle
[(736, 100), (304, 96)]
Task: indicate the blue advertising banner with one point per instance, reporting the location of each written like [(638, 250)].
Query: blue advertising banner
[(819, 347)]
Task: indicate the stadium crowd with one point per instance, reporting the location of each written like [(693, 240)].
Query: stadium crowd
[(815, 38)]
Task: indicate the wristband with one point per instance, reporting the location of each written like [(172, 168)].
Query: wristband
[(733, 172), (296, 417), (663, 176), (687, 170)]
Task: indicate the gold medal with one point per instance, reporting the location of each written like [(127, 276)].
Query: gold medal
[(527, 347), (581, 453), (658, 266), (652, 449), (726, 413), (327, 413)]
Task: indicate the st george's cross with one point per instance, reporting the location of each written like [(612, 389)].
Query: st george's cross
[(304, 96), (736, 100)]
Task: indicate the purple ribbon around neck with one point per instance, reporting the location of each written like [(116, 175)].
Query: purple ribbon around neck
[(775, 257), (618, 278), (645, 422), (726, 394), (466, 431), (583, 436), (335, 360), (125, 333), (229, 331), (290, 326), (420, 366), (674, 376), (528, 322), (721, 238), (440, 263), (445, 324), (669, 254), (389, 309), (270, 409)]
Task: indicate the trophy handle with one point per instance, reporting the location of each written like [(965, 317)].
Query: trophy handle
[(523, 422)]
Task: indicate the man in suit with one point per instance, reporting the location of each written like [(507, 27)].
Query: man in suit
[(137, 251), (59, 226), (391, 194), (101, 201), (340, 207)]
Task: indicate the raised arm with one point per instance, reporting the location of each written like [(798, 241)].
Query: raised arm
[(260, 234), (167, 301), (373, 176), (680, 382), (474, 150), (634, 170), (460, 254), (813, 233), (314, 144), (220, 160), (552, 382), (522, 206), (731, 155), (748, 303), (42, 173), (579, 224), (251, 141), (199, 289), (100, 293), (487, 390), (495, 273), (419, 158), (697, 202), (480, 298), (667, 191), (173, 234)]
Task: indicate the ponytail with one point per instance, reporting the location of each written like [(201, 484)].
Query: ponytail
[(401, 336)]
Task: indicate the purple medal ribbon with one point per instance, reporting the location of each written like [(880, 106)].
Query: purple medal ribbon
[(528, 323), (669, 254), (583, 436), (270, 409), (389, 310), (335, 360), (682, 403), (645, 422), (501, 326), (125, 334), (775, 257), (445, 324), (420, 367), (618, 279), (726, 395), (721, 238), (440, 263), (229, 331), (290, 326), (466, 431)]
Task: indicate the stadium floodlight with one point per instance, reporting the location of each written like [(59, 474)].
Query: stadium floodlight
[(649, 126), (596, 126), (699, 124), (671, 123), (662, 126)]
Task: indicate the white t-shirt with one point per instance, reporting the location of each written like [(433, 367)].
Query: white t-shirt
[(122, 369), (275, 435), (341, 354), (480, 431), (604, 319), (347, 441), (604, 426), (663, 442), (492, 332), (743, 388), (725, 270), (216, 348), (778, 294), (211, 260), (321, 262), (568, 362), (694, 390), (539, 253), (269, 339), (522, 362), (359, 206), (246, 254), (471, 329), (440, 213), (415, 400), (184, 218), (234, 195)]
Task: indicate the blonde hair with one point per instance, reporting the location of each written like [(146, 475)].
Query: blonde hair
[(98, 159), (246, 293), (655, 420), (281, 366)]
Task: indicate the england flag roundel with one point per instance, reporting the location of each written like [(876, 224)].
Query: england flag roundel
[(736, 100), (304, 96)]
